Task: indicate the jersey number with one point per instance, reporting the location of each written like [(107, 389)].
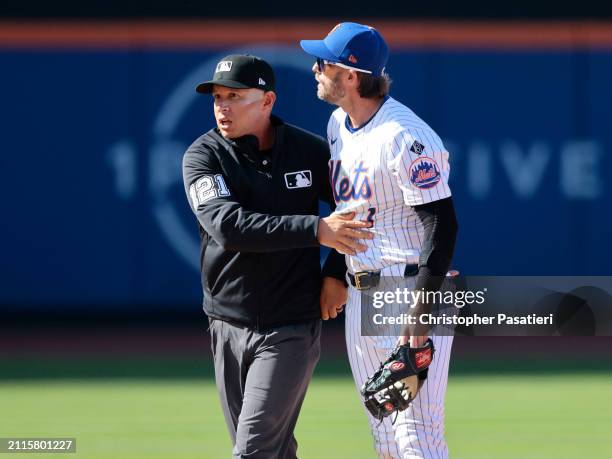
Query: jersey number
[(207, 188), (370, 217)]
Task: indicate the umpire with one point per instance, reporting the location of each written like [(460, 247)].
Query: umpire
[(254, 184)]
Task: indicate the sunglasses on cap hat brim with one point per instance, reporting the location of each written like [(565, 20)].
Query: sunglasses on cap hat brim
[(321, 63)]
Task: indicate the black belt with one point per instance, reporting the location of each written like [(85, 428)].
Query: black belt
[(364, 280)]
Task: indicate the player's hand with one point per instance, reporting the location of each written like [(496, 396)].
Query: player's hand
[(415, 341), (333, 297), (341, 232)]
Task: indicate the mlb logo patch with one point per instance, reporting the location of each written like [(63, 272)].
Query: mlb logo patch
[(299, 179), (224, 66), (424, 173), (417, 147)]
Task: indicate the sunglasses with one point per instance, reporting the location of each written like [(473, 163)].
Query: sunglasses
[(321, 63)]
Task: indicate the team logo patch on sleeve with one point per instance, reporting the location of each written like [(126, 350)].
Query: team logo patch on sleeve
[(417, 147), (299, 179), (424, 173)]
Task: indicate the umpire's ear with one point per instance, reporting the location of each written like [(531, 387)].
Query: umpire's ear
[(268, 99)]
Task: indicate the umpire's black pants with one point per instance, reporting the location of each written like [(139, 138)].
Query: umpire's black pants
[(262, 379)]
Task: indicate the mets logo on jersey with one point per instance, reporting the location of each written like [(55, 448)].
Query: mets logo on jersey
[(345, 189), (424, 173)]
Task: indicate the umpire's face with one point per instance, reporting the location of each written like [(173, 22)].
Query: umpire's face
[(240, 112)]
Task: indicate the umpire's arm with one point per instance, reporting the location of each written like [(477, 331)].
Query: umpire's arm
[(228, 223)]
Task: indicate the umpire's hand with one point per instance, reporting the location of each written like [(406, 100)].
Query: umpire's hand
[(341, 232), (333, 297)]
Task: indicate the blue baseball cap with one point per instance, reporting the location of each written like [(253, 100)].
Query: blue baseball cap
[(353, 45)]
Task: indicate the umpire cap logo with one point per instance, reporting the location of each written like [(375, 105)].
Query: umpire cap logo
[(299, 179), (223, 66)]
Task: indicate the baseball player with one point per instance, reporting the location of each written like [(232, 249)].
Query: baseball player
[(389, 167)]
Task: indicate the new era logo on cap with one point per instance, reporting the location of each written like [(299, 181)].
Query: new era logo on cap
[(262, 82), (224, 66)]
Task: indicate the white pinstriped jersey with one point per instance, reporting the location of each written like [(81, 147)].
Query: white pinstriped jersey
[(379, 171)]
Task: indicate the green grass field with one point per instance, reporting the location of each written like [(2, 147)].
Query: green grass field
[(505, 416)]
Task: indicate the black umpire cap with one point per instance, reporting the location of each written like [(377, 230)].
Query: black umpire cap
[(240, 71)]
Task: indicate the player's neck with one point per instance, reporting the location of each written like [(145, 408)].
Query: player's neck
[(360, 110)]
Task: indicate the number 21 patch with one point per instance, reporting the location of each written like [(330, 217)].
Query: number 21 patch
[(206, 188)]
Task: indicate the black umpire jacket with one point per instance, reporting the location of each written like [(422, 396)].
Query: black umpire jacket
[(258, 223)]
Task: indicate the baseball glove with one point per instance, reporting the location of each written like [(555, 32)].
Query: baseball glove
[(398, 380)]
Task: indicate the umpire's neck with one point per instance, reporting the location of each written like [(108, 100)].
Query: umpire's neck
[(265, 134)]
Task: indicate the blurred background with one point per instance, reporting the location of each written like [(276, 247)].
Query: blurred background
[(102, 336)]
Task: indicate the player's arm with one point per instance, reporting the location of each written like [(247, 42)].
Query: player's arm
[(440, 233), (420, 163), (235, 228)]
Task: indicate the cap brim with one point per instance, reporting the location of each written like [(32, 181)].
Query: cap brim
[(206, 87), (317, 48)]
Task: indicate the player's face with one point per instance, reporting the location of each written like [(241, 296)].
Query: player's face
[(330, 88), (239, 112)]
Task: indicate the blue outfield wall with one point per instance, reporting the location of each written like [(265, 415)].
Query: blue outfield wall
[(94, 211)]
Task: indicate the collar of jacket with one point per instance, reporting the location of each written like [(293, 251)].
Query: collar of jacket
[(248, 144)]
